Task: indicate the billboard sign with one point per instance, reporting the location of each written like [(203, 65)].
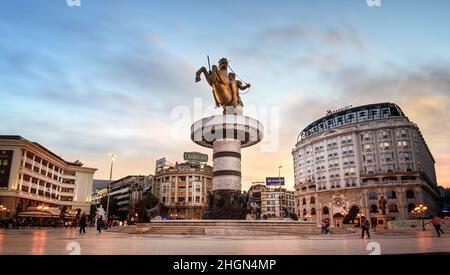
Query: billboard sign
[(160, 163), (275, 181), (5, 166), (195, 157)]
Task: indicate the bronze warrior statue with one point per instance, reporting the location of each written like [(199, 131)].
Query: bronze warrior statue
[(225, 86), (382, 205)]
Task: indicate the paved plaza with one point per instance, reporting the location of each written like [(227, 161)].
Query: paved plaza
[(66, 241)]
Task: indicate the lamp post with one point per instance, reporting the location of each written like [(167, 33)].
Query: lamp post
[(307, 217), (360, 215), (421, 209), (112, 156), (279, 175)]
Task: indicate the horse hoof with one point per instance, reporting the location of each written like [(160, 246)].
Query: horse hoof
[(197, 79)]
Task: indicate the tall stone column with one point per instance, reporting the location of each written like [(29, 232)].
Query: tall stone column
[(226, 164)]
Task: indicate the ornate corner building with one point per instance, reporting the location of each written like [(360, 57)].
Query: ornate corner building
[(183, 189), (345, 161)]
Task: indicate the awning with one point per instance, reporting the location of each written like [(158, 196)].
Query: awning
[(37, 214)]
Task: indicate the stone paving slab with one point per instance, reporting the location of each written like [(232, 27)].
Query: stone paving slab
[(56, 241)]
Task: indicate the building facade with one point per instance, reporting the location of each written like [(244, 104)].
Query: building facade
[(346, 161), (129, 190), (256, 191), (273, 201), (33, 176), (183, 189)]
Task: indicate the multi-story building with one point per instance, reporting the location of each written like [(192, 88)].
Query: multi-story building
[(183, 189), (346, 161), (445, 201), (273, 201), (256, 190), (33, 176), (129, 190), (98, 194)]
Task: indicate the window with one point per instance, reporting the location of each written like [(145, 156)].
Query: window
[(190, 199), (181, 199), (373, 196), (181, 189), (325, 211), (197, 188), (411, 207), (304, 212), (393, 208), (402, 144), (388, 168), (392, 195), (313, 211), (370, 169), (402, 133), (190, 188), (197, 199), (313, 200), (304, 201), (332, 142), (383, 134), (385, 145), (410, 194), (387, 156), (182, 178), (405, 156), (373, 208), (366, 136), (369, 158)]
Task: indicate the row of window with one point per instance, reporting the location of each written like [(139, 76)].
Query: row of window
[(182, 199), (165, 188)]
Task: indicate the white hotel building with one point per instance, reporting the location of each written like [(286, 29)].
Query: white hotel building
[(345, 161), (34, 176)]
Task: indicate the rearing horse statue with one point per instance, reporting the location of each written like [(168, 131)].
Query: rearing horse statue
[(224, 84)]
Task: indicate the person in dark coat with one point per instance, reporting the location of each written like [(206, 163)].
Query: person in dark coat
[(83, 223), (365, 226)]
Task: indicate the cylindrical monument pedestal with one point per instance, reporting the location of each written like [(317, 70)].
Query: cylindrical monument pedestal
[(226, 135)]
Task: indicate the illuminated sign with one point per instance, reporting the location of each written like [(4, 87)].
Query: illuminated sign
[(5, 166), (275, 181), (195, 157)]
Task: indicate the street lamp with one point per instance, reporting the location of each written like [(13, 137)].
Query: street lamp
[(307, 216), (113, 157), (360, 215), (279, 175), (421, 209)]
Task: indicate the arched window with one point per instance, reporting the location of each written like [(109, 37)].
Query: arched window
[(393, 208), (373, 196), (304, 212), (392, 195), (325, 211), (313, 200), (411, 207), (373, 208), (313, 211), (304, 200), (410, 194)]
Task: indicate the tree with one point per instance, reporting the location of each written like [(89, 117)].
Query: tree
[(148, 201)]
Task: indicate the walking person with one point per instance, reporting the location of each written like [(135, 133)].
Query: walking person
[(83, 224), (365, 226), (99, 224), (436, 222)]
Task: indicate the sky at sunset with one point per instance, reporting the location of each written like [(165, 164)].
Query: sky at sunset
[(115, 76)]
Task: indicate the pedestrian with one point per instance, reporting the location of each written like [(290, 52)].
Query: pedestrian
[(83, 223), (437, 224), (322, 227), (365, 226), (374, 225), (99, 224), (327, 226)]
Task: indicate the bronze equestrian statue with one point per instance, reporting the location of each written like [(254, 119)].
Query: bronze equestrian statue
[(225, 86)]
